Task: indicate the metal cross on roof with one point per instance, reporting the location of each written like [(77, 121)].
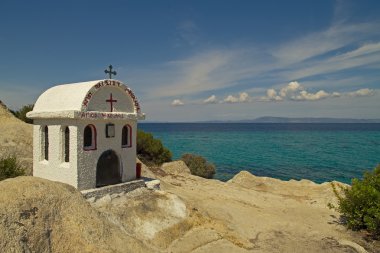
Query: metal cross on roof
[(110, 72)]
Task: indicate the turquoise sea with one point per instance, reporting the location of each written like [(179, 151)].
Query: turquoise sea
[(319, 152)]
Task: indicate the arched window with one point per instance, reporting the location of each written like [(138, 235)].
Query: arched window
[(67, 145), (46, 143), (126, 137), (89, 138)]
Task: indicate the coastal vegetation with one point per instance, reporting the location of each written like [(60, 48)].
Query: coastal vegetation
[(359, 204), (198, 165), (10, 167), (21, 113), (150, 150)]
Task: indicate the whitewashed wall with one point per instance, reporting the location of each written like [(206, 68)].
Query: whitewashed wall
[(55, 168), (80, 171)]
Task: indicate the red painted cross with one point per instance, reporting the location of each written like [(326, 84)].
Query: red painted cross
[(111, 101)]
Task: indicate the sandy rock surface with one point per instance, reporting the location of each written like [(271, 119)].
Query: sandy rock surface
[(38, 215), (257, 214), (305, 191), (189, 214)]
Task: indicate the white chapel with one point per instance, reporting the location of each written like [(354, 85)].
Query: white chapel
[(85, 134)]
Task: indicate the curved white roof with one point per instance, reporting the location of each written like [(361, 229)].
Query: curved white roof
[(70, 100), (63, 97)]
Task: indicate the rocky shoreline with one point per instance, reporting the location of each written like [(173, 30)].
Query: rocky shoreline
[(188, 213)]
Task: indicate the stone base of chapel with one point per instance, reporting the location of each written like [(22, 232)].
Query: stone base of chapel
[(113, 189)]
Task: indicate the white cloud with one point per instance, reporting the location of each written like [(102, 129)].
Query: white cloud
[(361, 93), (271, 96), (177, 102), (293, 91), (231, 99), (210, 100), (290, 89), (296, 92), (243, 98), (306, 96)]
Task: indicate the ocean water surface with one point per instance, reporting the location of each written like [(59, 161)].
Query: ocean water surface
[(319, 152)]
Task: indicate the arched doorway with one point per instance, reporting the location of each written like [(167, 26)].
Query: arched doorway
[(108, 169)]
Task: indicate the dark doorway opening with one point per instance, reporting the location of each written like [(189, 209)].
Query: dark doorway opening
[(108, 169)]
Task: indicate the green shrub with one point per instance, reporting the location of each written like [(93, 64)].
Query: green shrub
[(150, 150), (198, 165), (21, 114), (10, 167), (359, 205)]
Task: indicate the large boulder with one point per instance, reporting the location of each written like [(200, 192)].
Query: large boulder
[(176, 168), (38, 215)]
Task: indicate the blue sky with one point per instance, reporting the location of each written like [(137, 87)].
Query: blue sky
[(201, 60)]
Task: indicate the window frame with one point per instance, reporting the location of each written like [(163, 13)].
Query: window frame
[(110, 130), (66, 144), (93, 138), (45, 143), (129, 135)]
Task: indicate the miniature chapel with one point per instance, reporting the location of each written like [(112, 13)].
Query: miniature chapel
[(85, 134)]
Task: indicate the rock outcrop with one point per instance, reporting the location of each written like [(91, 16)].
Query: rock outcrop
[(16, 138), (190, 214), (38, 215), (303, 190), (176, 168), (257, 214)]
